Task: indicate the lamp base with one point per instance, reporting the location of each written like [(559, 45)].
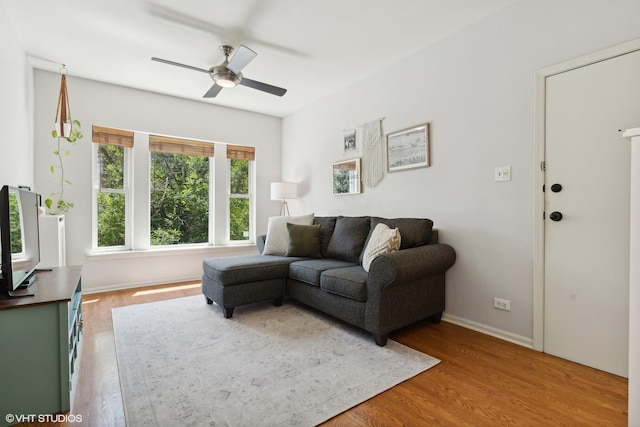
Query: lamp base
[(284, 208)]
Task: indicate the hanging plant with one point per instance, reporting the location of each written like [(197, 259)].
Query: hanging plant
[(66, 130)]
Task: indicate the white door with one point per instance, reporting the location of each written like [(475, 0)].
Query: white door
[(586, 280)]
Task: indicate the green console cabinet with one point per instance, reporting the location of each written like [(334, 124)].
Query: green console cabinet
[(39, 346)]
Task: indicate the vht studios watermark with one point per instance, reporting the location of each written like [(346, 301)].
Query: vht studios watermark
[(42, 418)]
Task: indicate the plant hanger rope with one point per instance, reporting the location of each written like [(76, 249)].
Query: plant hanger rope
[(66, 131), (63, 110)]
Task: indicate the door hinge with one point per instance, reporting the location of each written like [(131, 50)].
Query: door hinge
[(543, 166)]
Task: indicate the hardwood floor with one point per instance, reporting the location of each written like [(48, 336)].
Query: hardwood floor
[(481, 380)]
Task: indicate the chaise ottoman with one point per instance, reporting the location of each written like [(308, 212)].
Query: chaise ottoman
[(234, 281)]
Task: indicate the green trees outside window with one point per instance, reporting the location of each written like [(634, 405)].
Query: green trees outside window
[(238, 199), (111, 196), (179, 199)]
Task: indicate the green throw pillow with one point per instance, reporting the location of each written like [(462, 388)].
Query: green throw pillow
[(304, 240)]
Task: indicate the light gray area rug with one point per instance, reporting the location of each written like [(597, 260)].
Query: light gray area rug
[(182, 363)]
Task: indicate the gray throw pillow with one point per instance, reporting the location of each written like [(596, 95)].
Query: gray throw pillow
[(304, 240), (327, 224), (348, 238)]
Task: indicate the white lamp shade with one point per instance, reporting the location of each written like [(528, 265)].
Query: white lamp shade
[(283, 190)]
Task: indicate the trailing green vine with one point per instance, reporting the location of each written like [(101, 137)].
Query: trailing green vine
[(56, 203)]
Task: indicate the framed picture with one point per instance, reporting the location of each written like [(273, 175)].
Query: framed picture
[(408, 148), (346, 177), (350, 142)]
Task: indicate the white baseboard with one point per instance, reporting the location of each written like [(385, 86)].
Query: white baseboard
[(488, 330), (450, 318), (120, 287)]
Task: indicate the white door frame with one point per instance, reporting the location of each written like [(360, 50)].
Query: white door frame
[(539, 158)]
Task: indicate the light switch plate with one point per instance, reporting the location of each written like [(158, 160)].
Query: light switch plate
[(502, 173)]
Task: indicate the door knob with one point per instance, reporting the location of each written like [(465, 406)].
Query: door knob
[(556, 188), (555, 216)]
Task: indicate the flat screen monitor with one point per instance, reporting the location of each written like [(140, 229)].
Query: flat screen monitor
[(19, 237)]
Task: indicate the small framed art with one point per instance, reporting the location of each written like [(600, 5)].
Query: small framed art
[(408, 148), (346, 177), (350, 142)]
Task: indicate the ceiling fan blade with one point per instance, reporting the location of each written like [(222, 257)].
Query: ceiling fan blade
[(177, 64), (241, 58), (178, 17), (274, 90), (228, 35), (211, 93)]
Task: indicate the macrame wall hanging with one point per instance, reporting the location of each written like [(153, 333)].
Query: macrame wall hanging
[(372, 152), (63, 124)]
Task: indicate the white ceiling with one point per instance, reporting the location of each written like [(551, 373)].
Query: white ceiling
[(310, 47)]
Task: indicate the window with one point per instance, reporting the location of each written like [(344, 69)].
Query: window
[(113, 146), (153, 191), (240, 162), (179, 190)]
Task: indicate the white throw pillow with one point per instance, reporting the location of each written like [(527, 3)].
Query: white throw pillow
[(382, 241), (277, 235)]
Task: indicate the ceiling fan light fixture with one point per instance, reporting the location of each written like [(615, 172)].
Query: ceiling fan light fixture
[(225, 83), (225, 77)]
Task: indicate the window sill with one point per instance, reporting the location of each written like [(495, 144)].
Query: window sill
[(168, 251)]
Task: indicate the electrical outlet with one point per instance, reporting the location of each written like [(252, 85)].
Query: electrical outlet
[(502, 304)]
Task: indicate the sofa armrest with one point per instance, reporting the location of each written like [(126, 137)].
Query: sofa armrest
[(260, 241), (406, 286), (411, 264)]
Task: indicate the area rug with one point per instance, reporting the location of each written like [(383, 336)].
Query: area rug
[(182, 363)]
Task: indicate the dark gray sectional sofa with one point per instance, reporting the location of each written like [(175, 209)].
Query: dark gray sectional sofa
[(401, 287)]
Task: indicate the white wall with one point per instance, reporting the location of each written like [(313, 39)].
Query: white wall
[(476, 89), (115, 106), (16, 161)]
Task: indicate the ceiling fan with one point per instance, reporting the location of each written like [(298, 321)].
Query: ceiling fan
[(228, 73)]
